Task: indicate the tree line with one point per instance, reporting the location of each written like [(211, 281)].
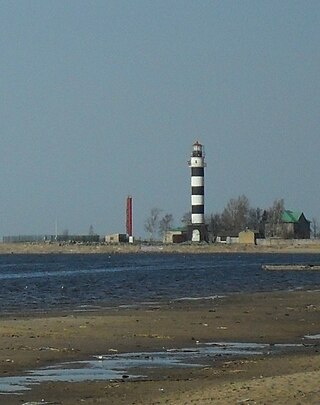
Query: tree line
[(239, 215), (236, 216)]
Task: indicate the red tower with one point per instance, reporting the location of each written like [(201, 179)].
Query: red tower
[(129, 217)]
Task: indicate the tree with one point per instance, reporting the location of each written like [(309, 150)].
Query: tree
[(214, 224), (165, 224), (236, 213), (275, 212), (254, 218), (274, 215), (152, 222), (65, 233), (186, 218), (315, 228), (239, 215)]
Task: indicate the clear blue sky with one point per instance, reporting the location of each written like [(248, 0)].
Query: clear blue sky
[(101, 99)]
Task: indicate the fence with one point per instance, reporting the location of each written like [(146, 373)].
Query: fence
[(50, 238)]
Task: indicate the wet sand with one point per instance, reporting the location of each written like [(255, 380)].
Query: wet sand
[(28, 341)]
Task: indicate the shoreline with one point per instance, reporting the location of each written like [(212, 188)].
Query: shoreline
[(211, 248), (29, 341)]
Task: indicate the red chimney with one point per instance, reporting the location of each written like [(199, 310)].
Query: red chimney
[(129, 216)]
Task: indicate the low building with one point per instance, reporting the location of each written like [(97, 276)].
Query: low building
[(296, 225), (177, 235), (293, 225), (248, 237), (116, 238)]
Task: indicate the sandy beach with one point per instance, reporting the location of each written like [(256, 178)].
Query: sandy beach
[(30, 341)]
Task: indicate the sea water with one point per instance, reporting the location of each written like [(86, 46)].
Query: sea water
[(90, 281), (87, 282)]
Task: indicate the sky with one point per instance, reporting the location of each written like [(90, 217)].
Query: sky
[(104, 99)]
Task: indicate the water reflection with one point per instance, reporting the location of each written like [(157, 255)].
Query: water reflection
[(135, 365)]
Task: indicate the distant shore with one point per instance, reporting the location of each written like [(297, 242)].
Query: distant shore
[(210, 248)]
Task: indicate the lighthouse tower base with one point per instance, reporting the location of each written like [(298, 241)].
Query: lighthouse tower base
[(197, 233)]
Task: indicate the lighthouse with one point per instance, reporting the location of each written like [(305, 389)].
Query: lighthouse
[(197, 230)]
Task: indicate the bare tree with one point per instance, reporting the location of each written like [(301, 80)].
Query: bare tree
[(236, 213), (165, 224), (152, 222), (214, 224), (315, 227), (65, 233), (239, 215), (186, 218), (274, 216), (254, 218)]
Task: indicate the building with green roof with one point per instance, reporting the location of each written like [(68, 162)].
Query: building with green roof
[(293, 225)]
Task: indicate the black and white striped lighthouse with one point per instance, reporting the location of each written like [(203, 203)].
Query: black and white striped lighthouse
[(197, 229)]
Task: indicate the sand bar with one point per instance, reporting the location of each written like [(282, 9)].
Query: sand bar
[(29, 341)]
